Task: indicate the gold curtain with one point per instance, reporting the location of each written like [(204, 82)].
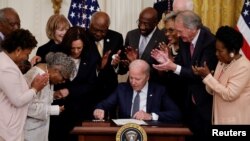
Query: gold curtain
[(215, 13)]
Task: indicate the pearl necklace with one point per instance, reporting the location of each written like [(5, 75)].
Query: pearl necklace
[(226, 66)]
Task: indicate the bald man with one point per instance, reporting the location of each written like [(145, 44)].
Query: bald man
[(104, 43), (152, 100), (9, 21)]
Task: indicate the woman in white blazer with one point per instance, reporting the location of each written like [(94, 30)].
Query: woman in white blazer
[(60, 67), (230, 85), (15, 94)]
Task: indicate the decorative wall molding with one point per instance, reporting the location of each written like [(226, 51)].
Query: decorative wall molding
[(57, 5)]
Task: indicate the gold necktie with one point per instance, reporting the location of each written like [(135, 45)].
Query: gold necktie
[(100, 48)]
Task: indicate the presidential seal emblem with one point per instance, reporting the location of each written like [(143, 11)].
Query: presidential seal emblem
[(131, 132)]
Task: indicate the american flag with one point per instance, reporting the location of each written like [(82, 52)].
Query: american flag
[(243, 26), (80, 12)]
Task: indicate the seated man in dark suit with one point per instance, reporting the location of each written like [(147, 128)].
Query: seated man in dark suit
[(140, 99)]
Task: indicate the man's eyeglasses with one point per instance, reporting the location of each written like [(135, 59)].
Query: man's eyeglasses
[(146, 24)]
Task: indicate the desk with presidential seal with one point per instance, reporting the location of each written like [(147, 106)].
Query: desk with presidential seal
[(109, 131)]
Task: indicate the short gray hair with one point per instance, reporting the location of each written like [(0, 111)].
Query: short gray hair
[(140, 64), (189, 19), (63, 62)]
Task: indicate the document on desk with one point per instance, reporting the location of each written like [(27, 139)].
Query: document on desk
[(125, 121)]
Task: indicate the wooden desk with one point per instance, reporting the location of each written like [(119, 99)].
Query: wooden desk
[(106, 131)]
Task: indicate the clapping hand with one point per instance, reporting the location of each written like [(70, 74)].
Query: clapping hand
[(116, 58), (40, 81), (160, 56), (105, 59), (131, 53), (201, 71)]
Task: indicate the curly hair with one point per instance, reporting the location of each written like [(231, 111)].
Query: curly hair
[(19, 38), (63, 62), (232, 39)]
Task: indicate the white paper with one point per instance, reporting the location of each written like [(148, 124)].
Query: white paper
[(125, 121)]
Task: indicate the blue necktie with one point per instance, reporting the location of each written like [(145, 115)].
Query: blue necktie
[(136, 104)]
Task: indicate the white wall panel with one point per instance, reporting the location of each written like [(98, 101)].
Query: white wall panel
[(35, 13)]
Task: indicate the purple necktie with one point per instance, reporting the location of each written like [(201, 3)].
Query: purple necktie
[(191, 49)]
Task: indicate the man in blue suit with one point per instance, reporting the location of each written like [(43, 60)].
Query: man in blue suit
[(103, 43), (154, 104), (197, 46)]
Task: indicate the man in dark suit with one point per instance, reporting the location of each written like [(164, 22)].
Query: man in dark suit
[(103, 43), (197, 45), (141, 41), (153, 102), (9, 22)]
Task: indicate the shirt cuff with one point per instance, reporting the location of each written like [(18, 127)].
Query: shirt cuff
[(178, 70), (54, 110), (155, 116), (116, 69)]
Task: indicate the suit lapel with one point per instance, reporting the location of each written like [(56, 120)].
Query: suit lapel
[(150, 95), (136, 39), (198, 48), (106, 43), (151, 44), (185, 53), (128, 100)]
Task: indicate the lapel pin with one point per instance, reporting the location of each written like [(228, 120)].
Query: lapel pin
[(108, 40)]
